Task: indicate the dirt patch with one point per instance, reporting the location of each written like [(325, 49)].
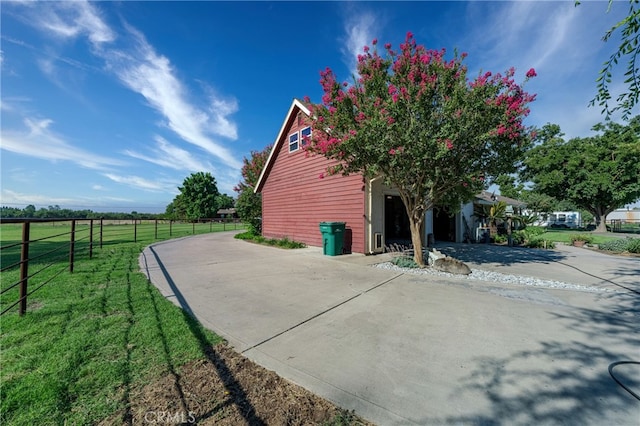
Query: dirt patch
[(225, 388)]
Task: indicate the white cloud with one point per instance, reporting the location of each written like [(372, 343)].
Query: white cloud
[(359, 33), (40, 142), (72, 19), (151, 75), (144, 71), (142, 183), (168, 155), (13, 198)]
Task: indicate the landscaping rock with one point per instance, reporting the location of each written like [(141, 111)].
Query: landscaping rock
[(434, 255), (451, 265)]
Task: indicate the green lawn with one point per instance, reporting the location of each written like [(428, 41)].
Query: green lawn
[(90, 337), (564, 235)]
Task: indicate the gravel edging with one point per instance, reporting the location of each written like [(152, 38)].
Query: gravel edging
[(495, 277)]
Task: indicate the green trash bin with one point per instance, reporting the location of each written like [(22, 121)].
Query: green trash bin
[(332, 237)]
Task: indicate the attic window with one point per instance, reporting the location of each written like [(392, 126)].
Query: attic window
[(305, 135), (293, 142)]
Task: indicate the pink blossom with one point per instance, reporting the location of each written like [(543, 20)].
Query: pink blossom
[(409, 34), (366, 49), (394, 97), (375, 41), (392, 89), (392, 151), (448, 143), (531, 73), (321, 176), (390, 120), (387, 46)]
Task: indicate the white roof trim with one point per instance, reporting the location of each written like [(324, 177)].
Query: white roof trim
[(295, 104)]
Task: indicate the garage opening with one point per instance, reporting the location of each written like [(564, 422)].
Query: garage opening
[(444, 225), (396, 222)]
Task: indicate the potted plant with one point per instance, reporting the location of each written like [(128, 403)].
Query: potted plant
[(580, 240)]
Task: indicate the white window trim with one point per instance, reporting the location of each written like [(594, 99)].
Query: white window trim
[(297, 141), (302, 143)]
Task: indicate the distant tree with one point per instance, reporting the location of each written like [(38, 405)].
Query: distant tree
[(224, 201), (416, 120), (249, 204), (29, 211), (598, 174), (198, 195), (629, 50), (509, 186), (175, 209), (10, 212)]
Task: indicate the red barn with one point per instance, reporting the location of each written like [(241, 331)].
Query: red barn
[(297, 196)]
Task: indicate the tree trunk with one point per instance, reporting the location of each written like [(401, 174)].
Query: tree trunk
[(600, 216), (415, 224), (416, 212)]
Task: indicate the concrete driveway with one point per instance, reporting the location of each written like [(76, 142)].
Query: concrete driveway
[(400, 348)]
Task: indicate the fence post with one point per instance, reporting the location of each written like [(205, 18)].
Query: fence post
[(193, 228), (210, 224), (101, 223), (72, 245), (156, 232), (91, 239), (170, 227), (24, 267), (135, 230)]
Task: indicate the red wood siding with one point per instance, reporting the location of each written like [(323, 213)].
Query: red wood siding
[(295, 200)]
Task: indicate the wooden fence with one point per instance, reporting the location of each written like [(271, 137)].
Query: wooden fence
[(76, 237)]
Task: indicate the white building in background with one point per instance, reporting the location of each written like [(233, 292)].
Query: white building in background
[(624, 215), (560, 220)]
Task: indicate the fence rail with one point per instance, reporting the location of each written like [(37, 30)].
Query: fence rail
[(34, 246), (624, 225)]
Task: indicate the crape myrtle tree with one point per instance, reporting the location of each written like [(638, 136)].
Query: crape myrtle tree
[(249, 203), (598, 174), (413, 119)]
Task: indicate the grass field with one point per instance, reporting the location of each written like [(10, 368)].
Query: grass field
[(102, 346), (564, 236), (90, 337)]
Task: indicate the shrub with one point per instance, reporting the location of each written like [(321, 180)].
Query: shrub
[(404, 262), (533, 231), (248, 235), (519, 237), (500, 239), (283, 243), (581, 237), (538, 242), (631, 245)]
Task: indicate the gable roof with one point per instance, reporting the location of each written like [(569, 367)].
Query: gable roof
[(486, 197), (296, 106)]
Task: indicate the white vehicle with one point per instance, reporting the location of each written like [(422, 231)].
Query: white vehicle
[(564, 220)]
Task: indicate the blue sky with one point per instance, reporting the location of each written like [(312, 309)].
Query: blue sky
[(108, 106)]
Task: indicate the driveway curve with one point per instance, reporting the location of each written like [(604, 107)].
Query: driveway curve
[(401, 348)]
